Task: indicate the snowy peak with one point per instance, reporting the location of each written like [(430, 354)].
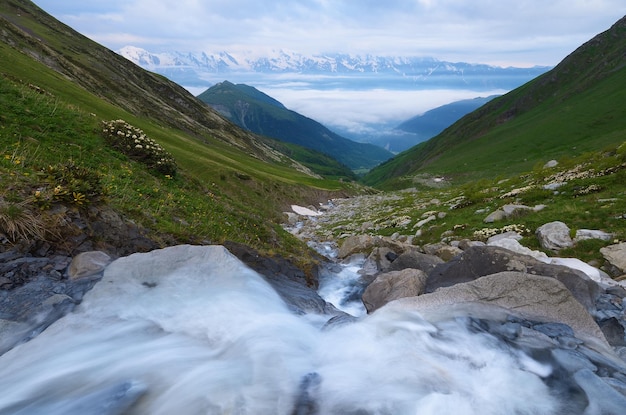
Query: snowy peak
[(292, 62)]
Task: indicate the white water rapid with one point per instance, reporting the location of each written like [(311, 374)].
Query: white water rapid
[(210, 336)]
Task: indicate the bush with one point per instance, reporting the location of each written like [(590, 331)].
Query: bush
[(132, 142), (68, 183)]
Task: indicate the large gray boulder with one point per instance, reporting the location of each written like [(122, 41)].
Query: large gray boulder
[(393, 285), (554, 236), (476, 262), (528, 296)]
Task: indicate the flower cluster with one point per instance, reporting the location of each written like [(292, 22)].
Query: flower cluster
[(486, 233), (135, 144)]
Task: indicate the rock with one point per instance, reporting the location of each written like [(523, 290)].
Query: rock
[(379, 259), (467, 243), (554, 236), (393, 285), (616, 256), (513, 245), (448, 252), (510, 210), (357, 244), (602, 398), (550, 164), (477, 262), (506, 235), (584, 234), (425, 221), (528, 296), (89, 263), (415, 260), (495, 216)]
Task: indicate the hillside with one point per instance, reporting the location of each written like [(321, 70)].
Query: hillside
[(62, 176), (434, 121), (573, 108), (255, 111)]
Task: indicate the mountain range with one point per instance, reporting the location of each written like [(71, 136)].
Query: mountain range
[(189, 68), (259, 113)]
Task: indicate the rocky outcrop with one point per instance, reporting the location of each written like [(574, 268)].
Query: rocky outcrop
[(531, 297), (477, 262)]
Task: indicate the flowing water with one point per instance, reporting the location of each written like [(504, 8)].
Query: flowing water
[(202, 342)]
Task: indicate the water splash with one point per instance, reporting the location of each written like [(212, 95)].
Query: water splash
[(199, 342)]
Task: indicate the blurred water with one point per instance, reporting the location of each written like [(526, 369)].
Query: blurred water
[(226, 344)]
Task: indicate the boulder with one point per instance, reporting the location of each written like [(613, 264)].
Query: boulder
[(476, 262), (616, 257), (448, 252), (357, 244), (554, 236), (88, 263), (393, 285), (416, 260), (527, 296), (495, 216)]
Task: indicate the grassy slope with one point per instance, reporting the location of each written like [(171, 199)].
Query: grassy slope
[(223, 192), (574, 108), (259, 113)]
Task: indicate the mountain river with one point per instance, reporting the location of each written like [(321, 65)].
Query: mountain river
[(214, 338)]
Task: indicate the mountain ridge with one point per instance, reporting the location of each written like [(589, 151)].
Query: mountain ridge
[(261, 114), (574, 107)]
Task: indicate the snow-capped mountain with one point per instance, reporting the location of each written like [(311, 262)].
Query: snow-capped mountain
[(179, 65)]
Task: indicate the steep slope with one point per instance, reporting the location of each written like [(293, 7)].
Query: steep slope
[(434, 121), (261, 114), (56, 89), (110, 76), (573, 108)]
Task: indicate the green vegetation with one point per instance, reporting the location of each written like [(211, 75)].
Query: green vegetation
[(574, 108), (585, 192)]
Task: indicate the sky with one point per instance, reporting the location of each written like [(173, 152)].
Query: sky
[(497, 32)]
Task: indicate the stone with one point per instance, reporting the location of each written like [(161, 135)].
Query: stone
[(616, 256), (476, 262), (467, 243), (495, 216), (554, 236), (448, 252), (532, 297), (506, 235), (550, 164), (513, 244), (416, 260), (425, 221), (87, 264), (510, 210), (356, 244), (584, 234), (393, 285)]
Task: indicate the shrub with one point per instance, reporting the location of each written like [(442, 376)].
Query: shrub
[(68, 183), (132, 142)]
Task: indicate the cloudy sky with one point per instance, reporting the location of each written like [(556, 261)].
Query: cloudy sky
[(500, 32), (497, 32)]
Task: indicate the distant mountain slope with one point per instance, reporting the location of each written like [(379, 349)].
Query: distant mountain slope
[(434, 121), (261, 114), (575, 107)]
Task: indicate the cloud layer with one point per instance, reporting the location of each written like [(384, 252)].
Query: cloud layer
[(521, 32)]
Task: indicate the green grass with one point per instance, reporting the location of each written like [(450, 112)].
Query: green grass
[(594, 202)]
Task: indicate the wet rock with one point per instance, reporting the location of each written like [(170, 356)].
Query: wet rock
[(88, 263), (393, 285)]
